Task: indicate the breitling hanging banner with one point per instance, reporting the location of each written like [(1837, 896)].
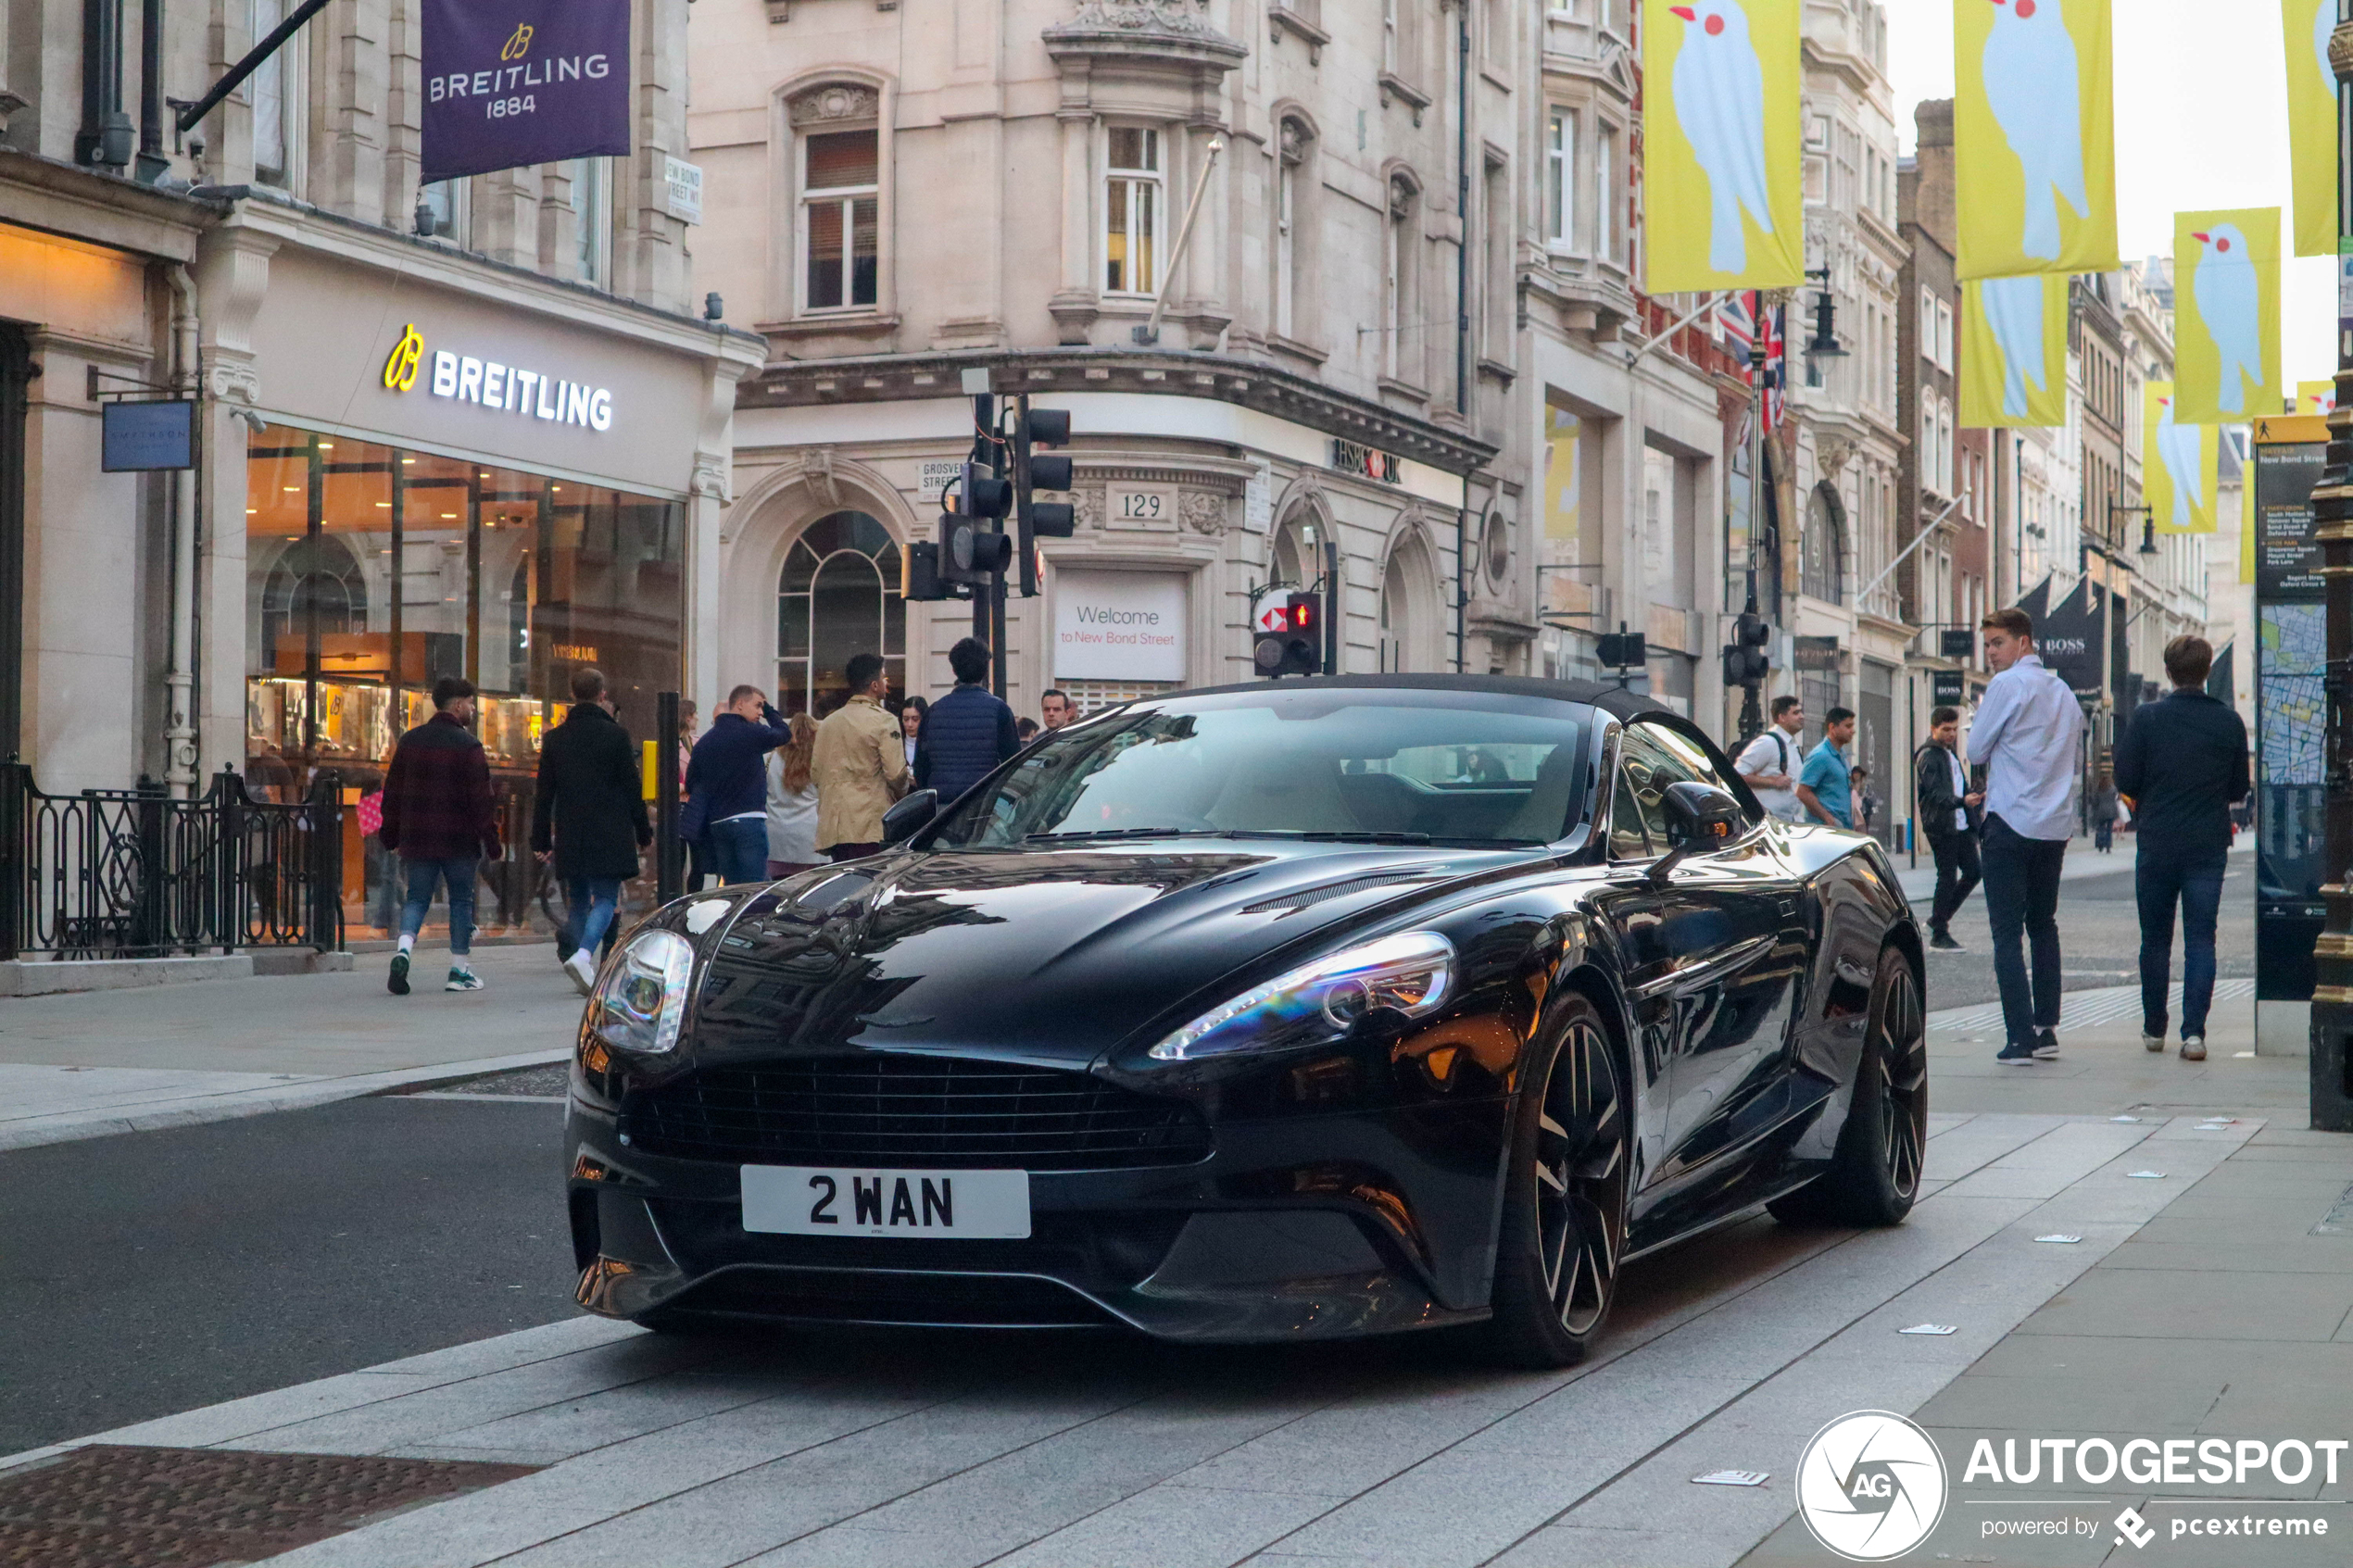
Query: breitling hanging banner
[(2033, 137), (2014, 353), (1721, 171), (2180, 465), (513, 83), (2311, 122), (2226, 316)]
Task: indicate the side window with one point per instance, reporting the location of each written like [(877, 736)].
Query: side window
[(1646, 767), (1626, 841), (1694, 759)]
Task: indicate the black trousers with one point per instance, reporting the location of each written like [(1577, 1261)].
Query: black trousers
[(1957, 870), (2021, 907)]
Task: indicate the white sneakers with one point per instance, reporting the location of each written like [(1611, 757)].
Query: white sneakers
[(2151, 1042), (582, 967), (2193, 1047)]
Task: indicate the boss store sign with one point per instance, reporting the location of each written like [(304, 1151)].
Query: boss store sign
[(494, 385)]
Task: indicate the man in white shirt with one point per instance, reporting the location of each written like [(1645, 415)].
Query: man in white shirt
[(1769, 763), (2029, 734)]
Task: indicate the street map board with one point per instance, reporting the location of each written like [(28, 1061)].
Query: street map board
[(2291, 707)]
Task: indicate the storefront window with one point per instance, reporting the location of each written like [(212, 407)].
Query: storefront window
[(373, 572), (838, 597)]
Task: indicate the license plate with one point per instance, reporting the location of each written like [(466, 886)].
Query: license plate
[(807, 1200)]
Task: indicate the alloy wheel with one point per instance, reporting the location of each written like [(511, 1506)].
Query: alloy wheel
[(1580, 1180), (1899, 1054)]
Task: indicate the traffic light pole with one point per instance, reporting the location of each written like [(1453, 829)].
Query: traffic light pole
[(989, 606)]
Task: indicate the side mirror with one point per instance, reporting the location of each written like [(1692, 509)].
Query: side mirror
[(911, 816), (1699, 816)]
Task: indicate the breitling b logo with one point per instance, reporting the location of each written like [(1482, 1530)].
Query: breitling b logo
[(400, 365), (519, 45)]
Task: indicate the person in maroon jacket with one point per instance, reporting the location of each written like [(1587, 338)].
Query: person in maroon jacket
[(438, 815)]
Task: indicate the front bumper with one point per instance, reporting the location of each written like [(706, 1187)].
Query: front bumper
[(1293, 1227)]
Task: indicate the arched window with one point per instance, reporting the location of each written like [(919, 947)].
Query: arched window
[(1401, 336), (1410, 596), (1822, 569), (316, 572), (838, 597), (1290, 180), (1396, 613)]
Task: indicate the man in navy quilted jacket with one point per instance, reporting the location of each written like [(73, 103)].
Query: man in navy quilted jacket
[(968, 731)]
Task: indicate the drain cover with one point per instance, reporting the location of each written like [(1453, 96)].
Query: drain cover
[(114, 1507)]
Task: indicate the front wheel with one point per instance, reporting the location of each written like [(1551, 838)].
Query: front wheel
[(1564, 1203), (1875, 1177)]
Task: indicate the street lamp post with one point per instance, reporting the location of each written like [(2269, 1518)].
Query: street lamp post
[(2331, 1094)]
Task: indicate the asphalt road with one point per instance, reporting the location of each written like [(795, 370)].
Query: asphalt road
[(155, 1272), (2099, 934)]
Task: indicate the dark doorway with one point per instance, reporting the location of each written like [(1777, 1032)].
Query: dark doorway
[(16, 376)]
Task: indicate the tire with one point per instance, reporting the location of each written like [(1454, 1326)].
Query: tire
[(1564, 1190), (1874, 1178)]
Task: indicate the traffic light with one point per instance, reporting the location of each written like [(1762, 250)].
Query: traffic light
[(1290, 647), (920, 579), (1745, 661), (971, 551), (1034, 470)]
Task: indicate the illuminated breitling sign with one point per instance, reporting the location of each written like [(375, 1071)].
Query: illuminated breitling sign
[(495, 385)]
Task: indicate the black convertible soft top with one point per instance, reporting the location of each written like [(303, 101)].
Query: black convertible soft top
[(1613, 700)]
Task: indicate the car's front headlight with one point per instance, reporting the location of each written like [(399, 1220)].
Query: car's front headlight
[(1410, 973), (641, 1002)]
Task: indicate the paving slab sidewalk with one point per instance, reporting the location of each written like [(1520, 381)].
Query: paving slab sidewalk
[(85, 1064)]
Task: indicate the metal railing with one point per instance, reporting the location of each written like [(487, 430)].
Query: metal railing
[(112, 873)]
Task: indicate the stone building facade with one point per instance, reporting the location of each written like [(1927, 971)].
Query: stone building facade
[(1403, 326), (1847, 612), (474, 429)]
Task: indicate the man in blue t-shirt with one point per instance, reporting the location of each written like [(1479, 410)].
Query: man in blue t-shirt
[(1825, 787)]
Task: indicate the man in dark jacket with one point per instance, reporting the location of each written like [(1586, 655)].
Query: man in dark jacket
[(1947, 811), (2182, 764), (439, 815), (590, 819), (727, 784), (968, 731)]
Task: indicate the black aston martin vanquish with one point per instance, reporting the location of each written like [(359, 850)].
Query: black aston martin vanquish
[(1325, 1007)]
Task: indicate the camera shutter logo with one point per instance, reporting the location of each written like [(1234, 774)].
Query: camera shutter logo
[(400, 365), (1871, 1485)]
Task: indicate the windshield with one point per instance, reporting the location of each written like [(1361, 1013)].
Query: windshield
[(1440, 766)]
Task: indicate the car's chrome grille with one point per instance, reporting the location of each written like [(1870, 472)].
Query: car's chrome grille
[(911, 1111)]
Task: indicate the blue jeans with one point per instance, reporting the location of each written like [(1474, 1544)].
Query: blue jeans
[(741, 849), (589, 904), (459, 876), (2021, 900), (2159, 878)]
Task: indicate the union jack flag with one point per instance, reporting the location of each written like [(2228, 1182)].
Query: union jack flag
[(1736, 322), (1738, 319)]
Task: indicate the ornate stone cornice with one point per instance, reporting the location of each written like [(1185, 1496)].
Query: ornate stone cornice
[(1176, 31), (1047, 372)]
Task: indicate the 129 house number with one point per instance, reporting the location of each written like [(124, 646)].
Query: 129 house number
[(501, 109), (1140, 509)]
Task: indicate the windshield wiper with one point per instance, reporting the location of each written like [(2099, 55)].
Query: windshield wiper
[(1340, 835), (1119, 833)]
